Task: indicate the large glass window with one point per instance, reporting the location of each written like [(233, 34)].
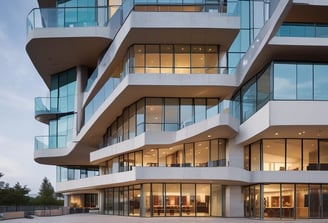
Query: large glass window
[(310, 154), (158, 200), (271, 201), (255, 156), (285, 81), (171, 114), (203, 199), (152, 59), (172, 199), (167, 59), (182, 59), (320, 82), (301, 201), (325, 201), (323, 154), (294, 154), (248, 93), (304, 81), (186, 112), (273, 155), (178, 59), (154, 109), (263, 88), (314, 201), (216, 200), (201, 154), (188, 200)]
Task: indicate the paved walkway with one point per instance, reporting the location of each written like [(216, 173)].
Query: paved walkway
[(95, 218)]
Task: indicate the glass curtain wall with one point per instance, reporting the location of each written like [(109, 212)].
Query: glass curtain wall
[(281, 81), (165, 199), (253, 15), (77, 12), (286, 201), (173, 59), (62, 94), (159, 114), (211, 153), (286, 155)]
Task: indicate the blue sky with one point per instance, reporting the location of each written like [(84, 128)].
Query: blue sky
[(19, 85)]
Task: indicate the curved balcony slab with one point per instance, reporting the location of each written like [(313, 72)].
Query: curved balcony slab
[(165, 28), (223, 175), (56, 49), (136, 86), (298, 48), (219, 126), (64, 156), (290, 119)]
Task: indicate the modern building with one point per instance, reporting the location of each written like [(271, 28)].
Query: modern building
[(185, 107)]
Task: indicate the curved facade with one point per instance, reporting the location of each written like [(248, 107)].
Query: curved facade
[(185, 108)]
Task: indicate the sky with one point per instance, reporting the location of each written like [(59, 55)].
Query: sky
[(19, 85)]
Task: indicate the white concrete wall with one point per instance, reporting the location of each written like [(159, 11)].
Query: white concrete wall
[(234, 206)]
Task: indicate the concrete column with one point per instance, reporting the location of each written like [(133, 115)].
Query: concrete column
[(101, 201), (66, 200), (234, 201), (235, 154), (81, 79)]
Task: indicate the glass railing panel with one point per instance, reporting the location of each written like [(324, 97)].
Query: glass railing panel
[(322, 31), (303, 30), (91, 79), (50, 105), (50, 142), (68, 17)]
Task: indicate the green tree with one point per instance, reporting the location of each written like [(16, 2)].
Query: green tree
[(17, 195), (46, 195)]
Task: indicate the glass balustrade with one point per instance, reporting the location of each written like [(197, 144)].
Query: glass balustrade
[(313, 30), (53, 105), (50, 142)]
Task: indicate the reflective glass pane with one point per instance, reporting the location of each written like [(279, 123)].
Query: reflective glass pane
[(186, 112), (248, 100), (200, 109), (154, 114), (171, 114), (263, 88), (285, 81), (304, 81), (320, 82)]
